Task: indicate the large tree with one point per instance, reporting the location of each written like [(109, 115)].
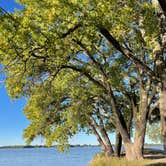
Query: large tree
[(50, 36)]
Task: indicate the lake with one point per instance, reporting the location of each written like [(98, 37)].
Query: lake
[(78, 156)]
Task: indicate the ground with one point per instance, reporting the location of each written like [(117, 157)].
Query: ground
[(157, 157), (152, 157)]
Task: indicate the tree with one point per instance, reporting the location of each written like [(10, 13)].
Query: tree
[(39, 42), (154, 41), (153, 132), (59, 111)]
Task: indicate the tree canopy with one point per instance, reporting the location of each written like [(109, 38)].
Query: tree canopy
[(74, 58)]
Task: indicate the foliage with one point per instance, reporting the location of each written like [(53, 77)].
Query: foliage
[(59, 111), (67, 57), (153, 132)]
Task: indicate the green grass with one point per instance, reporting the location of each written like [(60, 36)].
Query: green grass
[(103, 161)]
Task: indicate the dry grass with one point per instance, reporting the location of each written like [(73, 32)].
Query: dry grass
[(152, 158), (103, 161)]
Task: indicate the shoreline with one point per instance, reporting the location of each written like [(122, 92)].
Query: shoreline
[(43, 146), (55, 146)]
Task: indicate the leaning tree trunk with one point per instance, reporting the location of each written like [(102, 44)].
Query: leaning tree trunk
[(118, 144), (108, 150), (104, 141), (99, 139), (134, 150)]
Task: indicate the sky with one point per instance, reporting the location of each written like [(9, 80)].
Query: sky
[(12, 119)]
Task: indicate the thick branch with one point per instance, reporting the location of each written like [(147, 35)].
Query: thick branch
[(163, 6), (85, 73), (98, 65), (153, 92), (71, 30), (127, 53), (119, 119)]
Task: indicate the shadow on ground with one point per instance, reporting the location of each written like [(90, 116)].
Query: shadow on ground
[(155, 157), (157, 164)]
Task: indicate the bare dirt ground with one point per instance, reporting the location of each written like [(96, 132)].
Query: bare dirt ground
[(157, 157)]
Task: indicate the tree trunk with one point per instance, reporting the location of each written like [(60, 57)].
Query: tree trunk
[(99, 139), (133, 151), (162, 104), (108, 147), (109, 150), (118, 144), (105, 144)]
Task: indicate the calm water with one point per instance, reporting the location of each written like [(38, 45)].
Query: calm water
[(78, 156)]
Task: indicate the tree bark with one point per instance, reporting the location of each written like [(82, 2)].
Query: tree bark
[(134, 151), (99, 139), (118, 144), (161, 71), (103, 140), (162, 105), (163, 6), (129, 123), (109, 150)]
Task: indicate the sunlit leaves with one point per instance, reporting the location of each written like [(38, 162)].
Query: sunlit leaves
[(54, 54)]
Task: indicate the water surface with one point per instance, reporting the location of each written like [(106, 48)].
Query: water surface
[(78, 156)]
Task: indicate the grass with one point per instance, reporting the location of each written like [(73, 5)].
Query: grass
[(104, 161)]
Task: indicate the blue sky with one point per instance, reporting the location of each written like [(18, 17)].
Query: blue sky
[(12, 120), (9, 5)]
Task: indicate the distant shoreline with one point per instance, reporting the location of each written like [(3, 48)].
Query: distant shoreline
[(43, 146), (55, 146)]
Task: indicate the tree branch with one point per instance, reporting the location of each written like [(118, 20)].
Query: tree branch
[(71, 30), (155, 105), (163, 6), (83, 72), (7, 13), (98, 65), (127, 53), (153, 92)]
